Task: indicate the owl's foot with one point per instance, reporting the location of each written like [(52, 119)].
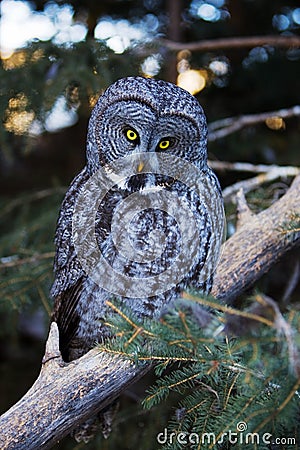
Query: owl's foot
[(102, 422), (107, 417)]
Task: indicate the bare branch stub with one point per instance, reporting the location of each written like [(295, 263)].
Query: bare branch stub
[(244, 213)]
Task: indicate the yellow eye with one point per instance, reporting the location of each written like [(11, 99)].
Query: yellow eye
[(164, 144), (131, 135)]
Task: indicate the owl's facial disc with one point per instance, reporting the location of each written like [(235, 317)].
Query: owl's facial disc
[(130, 127)]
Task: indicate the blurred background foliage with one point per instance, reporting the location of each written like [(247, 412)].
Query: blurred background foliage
[(56, 59)]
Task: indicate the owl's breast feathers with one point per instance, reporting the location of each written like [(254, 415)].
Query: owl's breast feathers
[(80, 305)]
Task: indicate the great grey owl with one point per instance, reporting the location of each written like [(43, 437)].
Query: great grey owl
[(148, 139)]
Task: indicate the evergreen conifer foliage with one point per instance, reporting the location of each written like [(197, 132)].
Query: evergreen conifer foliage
[(235, 380), (26, 244)]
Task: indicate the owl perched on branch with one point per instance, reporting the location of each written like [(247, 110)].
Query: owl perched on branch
[(143, 220)]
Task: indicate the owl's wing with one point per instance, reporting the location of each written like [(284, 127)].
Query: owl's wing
[(212, 202), (66, 316), (69, 276)]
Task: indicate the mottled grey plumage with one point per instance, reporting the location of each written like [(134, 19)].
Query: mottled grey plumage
[(157, 111)]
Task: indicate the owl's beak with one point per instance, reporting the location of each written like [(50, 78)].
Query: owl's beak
[(140, 166)]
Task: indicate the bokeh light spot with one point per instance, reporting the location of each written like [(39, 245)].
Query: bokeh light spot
[(151, 65), (209, 12), (280, 22), (219, 67), (192, 81), (275, 123)]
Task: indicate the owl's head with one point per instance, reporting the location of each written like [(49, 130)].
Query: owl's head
[(139, 115)]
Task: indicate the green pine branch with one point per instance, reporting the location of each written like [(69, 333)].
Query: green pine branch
[(27, 251), (222, 379)]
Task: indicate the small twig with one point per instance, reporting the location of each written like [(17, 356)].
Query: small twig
[(20, 262), (229, 125), (227, 309), (265, 172), (282, 326), (234, 43), (31, 198), (287, 171), (292, 282), (229, 193)]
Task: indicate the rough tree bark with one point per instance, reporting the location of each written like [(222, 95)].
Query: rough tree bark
[(260, 240), (64, 395)]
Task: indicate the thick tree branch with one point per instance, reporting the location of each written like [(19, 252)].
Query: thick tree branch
[(234, 42), (257, 245), (64, 395)]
